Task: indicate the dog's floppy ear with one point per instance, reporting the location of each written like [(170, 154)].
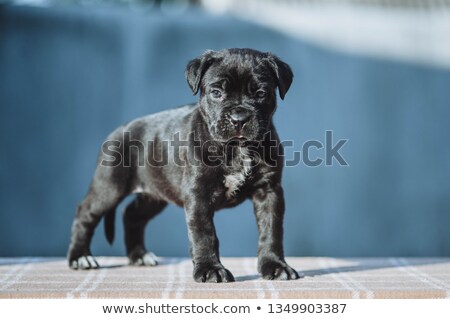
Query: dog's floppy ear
[(283, 73), (196, 68)]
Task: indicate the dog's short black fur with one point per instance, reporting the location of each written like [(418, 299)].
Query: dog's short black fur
[(234, 119)]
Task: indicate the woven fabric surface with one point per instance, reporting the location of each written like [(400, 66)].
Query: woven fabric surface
[(322, 278)]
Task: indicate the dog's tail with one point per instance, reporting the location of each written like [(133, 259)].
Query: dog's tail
[(109, 220)]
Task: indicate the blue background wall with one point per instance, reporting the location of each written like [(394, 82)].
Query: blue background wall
[(70, 75)]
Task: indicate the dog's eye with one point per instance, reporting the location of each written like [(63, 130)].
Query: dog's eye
[(261, 93), (216, 94)]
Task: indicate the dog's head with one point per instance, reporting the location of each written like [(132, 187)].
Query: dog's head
[(238, 91)]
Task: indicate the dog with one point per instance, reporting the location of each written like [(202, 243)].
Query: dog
[(223, 150)]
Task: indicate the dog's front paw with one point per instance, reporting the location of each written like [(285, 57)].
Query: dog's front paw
[(146, 259), (277, 270), (212, 273), (83, 262)]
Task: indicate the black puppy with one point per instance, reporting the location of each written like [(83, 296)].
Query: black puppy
[(203, 157)]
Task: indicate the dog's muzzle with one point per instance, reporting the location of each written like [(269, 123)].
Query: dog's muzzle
[(238, 118)]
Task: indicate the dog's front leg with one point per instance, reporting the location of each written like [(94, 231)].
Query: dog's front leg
[(204, 245), (268, 203)]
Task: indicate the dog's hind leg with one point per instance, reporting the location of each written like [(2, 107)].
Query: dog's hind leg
[(109, 187), (135, 218)]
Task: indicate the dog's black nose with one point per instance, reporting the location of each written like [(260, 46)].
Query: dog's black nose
[(239, 118)]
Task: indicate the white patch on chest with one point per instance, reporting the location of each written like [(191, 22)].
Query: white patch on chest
[(142, 188), (138, 189), (236, 179)]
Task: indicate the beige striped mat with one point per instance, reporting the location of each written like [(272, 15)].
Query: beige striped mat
[(322, 278)]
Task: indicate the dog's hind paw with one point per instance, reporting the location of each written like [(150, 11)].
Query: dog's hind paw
[(147, 259), (274, 270), (84, 262)]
